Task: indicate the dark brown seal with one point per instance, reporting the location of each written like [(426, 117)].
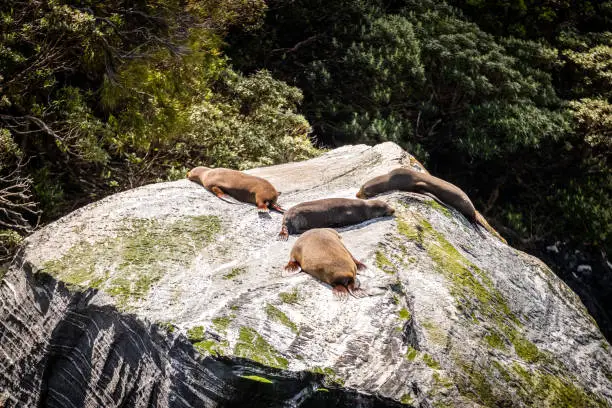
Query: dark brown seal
[(321, 253), (241, 186), (405, 179), (331, 212)]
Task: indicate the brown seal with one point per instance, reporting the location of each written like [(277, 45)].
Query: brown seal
[(321, 253), (407, 179), (241, 186), (331, 212)]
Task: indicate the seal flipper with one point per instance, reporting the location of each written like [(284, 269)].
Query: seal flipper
[(283, 235), (278, 208), (225, 197), (360, 265), (340, 292), (293, 267)]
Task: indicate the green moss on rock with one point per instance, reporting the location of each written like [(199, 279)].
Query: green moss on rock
[(406, 399), (222, 322), (234, 272), (383, 263), (431, 362), (257, 378), (291, 298), (211, 347), (495, 340), (439, 207), (195, 334), (412, 353), (277, 315), (329, 373), (405, 314), (253, 346), (128, 265)]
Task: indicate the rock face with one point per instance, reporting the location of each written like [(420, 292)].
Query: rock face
[(167, 296)]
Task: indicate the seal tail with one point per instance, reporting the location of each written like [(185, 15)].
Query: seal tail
[(292, 267), (479, 219)]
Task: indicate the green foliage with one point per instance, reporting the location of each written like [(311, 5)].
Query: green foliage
[(510, 104), (102, 97)]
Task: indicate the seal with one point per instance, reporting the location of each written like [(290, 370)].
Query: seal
[(407, 179), (238, 185), (331, 212), (320, 252)]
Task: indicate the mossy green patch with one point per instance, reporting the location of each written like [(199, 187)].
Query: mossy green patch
[(442, 381), (525, 349), (321, 389), (329, 373), (439, 207), (257, 378), (409, 231), (222, 322), (253, 346), (383, 263), (167, 326), (128, 265), (234, 272), (550, 390), (406, 399), (211, 347), (435, 334), (195, 334), (431, 362), (495, 340), (291, 298), (405, 314), (412, 353), (473, 290), (532, 387), (277, 315)]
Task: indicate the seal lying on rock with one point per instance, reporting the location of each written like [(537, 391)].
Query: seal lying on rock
[(331, 212), (321, 253), (407, 179), (241, 186)]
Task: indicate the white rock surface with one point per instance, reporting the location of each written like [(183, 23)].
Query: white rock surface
[(455, 318)]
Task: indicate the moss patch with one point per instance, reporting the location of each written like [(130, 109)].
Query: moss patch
[(329, 373), (405, 314), (406, 399), (254, 347), (473, 290), (495, 340), (431, 362), (234, 272), (277, 315), (222, 322), (128, 265), (211, 347), (195, 334), (383, 263), (291, 298), (434, 333), (257, 378), (167, 326), (439, 207), (412, 353)]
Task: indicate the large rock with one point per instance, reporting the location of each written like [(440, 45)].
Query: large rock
[(167, 296)]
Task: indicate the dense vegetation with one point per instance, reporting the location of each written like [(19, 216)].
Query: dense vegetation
[(510, 100), (97, 97)]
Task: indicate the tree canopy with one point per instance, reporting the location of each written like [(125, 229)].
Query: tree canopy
[(509, 100)]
